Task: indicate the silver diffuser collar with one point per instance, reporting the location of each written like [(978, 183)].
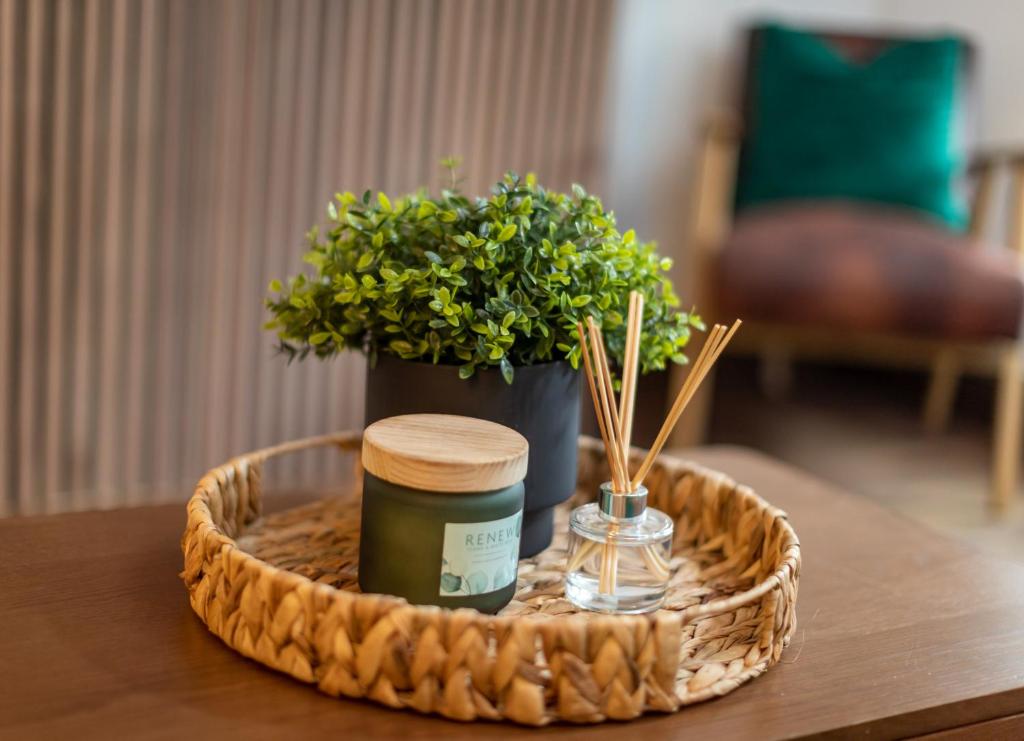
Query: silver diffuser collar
[(622, 506)]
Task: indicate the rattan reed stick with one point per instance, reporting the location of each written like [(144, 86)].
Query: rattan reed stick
[(607, 409), (610, 556), (696, 372), (594, 396), (606, 377), (709, 354), (606, 424), (655, 562), (586, 550), (628, 399), (630, 369), (631, 355)]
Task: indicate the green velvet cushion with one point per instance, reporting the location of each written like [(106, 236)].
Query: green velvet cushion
[(824, 126)]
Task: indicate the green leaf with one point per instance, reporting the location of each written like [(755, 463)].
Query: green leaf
[(275, 286), (465, 371), (506, 233), (506, 321), (384, 201), (319, 338), (366, 260), (507, 372)]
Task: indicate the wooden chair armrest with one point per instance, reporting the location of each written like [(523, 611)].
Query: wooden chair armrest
[(722, 126), (1016, 212), (983, 160), (983, 167), (716, 175), (711, 220)]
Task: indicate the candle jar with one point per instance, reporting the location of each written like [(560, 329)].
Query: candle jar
[(442, 510), (619, 551)]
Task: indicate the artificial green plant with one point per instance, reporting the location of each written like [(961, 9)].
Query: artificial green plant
[(476, 282)]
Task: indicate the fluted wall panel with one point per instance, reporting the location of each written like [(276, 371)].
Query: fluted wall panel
[(161, 161)]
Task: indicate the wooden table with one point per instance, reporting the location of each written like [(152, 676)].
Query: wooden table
[(901, 632)]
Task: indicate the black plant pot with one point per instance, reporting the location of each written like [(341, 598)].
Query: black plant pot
[(542, 404)]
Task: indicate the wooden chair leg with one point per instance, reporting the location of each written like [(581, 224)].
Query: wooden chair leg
[(938, 402), (1006, 448)]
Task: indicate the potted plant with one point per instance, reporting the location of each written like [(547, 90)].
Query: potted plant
[(469, 306)]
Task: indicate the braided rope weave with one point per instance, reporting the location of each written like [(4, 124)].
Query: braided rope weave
[(282, 590)]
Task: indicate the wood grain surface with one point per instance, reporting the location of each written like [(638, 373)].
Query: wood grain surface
[(445, 452), (901, 632)]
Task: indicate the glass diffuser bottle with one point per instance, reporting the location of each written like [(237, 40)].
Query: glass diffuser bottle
[(619, 550)]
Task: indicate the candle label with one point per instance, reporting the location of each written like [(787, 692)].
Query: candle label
[(480, 557)]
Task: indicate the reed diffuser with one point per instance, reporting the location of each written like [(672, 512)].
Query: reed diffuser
[(619, 548)]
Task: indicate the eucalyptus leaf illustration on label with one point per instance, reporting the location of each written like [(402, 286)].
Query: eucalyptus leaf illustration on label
[(480, 557)]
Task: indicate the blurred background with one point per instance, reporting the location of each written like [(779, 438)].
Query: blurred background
[(160, 162)]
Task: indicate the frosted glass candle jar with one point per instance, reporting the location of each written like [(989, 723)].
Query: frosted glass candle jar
[(442, 510)]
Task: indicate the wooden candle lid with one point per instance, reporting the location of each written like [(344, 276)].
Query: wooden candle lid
[(444, 452)]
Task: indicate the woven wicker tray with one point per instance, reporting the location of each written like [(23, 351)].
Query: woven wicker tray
[(282, 590)]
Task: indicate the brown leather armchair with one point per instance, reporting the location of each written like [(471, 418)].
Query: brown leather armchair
[(867, 281)]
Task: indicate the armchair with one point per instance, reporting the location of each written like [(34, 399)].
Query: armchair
[(830, 276)]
